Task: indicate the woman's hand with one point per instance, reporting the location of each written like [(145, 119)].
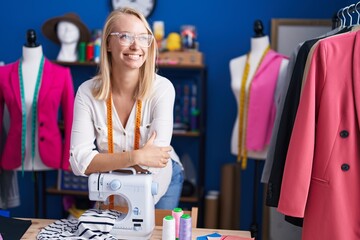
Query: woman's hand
[(151, 155)]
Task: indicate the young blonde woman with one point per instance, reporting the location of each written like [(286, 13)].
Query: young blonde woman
[(123, 117)]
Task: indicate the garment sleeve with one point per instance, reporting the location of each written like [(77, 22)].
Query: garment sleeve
[(162, 113), (299, 159), (280, 92), (83, 147)]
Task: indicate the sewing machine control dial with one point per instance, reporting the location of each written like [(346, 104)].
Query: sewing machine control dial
[(115, 184)]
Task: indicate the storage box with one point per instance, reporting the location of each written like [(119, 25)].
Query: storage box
[(68, 181), (181, 58)]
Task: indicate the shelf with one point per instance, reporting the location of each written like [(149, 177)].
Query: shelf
[(94, 64), (186, 134), (55, 191)]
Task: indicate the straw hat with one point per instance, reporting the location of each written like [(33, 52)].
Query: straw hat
[(49, 27)]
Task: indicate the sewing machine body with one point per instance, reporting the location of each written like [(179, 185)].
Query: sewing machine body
[(138, 191)]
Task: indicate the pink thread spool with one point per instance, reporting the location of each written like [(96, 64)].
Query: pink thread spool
[(177, 213)]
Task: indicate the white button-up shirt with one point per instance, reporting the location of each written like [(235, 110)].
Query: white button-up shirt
[(89, 131)]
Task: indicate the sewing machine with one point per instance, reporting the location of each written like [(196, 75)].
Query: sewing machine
[(138, 191)]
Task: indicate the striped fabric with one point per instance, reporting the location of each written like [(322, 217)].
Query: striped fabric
[(93, 224)]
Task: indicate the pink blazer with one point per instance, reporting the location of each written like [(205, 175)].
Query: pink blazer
[(56, 90), (322, 170)]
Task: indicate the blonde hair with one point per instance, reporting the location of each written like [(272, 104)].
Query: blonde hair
[(102, 86)]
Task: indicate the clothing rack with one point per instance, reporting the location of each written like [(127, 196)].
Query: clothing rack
[(341, 15)]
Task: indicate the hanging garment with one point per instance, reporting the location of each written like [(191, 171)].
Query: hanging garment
[(261, 108), (322, 169), (286, 123), (286, 117), (9, 189), (56, 91), (281, 99)]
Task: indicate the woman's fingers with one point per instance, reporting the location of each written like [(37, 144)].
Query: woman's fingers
[(166, 149)]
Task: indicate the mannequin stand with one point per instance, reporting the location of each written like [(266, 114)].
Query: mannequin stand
[(254, 224), (39, 183)]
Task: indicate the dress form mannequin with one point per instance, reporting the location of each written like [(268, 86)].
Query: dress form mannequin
[(258, 47), (69, 35), (31, 57), (258, 44)]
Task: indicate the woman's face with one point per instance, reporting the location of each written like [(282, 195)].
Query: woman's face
[(127, 44)]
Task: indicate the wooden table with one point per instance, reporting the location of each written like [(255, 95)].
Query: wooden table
[(38, 224)]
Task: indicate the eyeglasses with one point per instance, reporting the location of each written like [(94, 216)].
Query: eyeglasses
[(126, 39)]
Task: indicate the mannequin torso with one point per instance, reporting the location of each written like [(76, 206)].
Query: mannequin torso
[(237, 66), (31, 59), (69, 35)]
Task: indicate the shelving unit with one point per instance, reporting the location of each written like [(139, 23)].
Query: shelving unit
[(182, 140)]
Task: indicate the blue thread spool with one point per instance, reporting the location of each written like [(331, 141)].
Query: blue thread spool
[(185, 227)]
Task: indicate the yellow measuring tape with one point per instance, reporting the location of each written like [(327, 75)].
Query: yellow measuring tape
[(242, 151), (111, 139)]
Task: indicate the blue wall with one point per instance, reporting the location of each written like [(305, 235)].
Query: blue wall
[(224, 32)]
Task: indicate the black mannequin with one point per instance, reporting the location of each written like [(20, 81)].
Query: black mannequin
[(31, 39), (258, 28)]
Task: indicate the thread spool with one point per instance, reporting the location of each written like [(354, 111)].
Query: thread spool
[(97, 53), (82, 52), (90, 52), (185, 227), (168, 231), (177, 213)]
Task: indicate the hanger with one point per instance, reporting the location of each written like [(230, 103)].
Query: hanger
[(343, 14), (340, 18), (348, 13), (358, 13)]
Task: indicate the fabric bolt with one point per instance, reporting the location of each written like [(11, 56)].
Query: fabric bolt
[(157, 113), (321, 183), (92, 224), (56, 92)]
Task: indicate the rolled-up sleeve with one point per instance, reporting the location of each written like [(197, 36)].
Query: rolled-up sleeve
[(83, 148)]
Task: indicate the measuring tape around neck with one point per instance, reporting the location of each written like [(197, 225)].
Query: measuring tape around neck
[(111, 139)]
